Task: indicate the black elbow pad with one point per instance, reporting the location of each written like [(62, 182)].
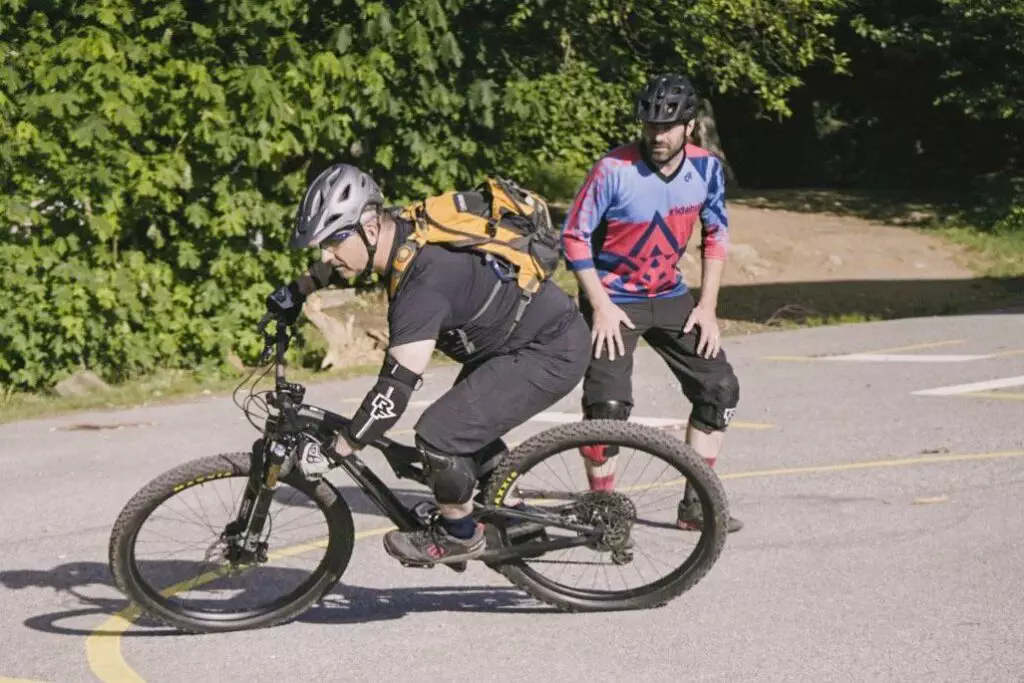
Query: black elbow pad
[(384, 404)]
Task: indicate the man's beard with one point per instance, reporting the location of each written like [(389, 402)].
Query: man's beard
[(661, 155)]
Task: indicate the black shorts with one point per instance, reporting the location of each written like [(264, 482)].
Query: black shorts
[(708, 383), (542, 362)]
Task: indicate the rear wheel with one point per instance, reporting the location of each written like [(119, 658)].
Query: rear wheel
[(204, 495), (633, 536)]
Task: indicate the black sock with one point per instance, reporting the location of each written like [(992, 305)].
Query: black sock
[(459, 528)]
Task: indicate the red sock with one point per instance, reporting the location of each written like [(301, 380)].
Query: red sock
[(605, 483)]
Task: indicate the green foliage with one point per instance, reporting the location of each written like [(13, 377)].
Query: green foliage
[(556, 126), (152, 153), (754, 47), (965, 42), (929, 101)]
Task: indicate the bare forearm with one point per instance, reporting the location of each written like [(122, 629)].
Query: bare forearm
[(711, 282), (591, 285)]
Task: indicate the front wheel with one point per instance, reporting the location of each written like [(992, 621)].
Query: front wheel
[(638, 561), (203, 496)]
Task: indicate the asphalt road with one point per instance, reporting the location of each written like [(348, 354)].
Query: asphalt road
[(882, 538)]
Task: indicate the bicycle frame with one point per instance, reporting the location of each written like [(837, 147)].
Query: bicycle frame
[(296, 420)]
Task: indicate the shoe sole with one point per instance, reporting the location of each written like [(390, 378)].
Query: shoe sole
[(460, 559)]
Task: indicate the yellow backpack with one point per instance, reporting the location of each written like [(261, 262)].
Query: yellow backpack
[(496, 217)]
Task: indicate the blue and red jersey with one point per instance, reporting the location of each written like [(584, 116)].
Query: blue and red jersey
[(633, 225)]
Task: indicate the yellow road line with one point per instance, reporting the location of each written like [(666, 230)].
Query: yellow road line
[(918, 347), (894, 349), (103, 646), (861, 465), (897, 349), (872, 464)]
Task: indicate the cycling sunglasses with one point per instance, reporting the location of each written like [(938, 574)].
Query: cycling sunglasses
[(338, 236)]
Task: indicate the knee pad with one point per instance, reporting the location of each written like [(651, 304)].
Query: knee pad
[(451, 477), (604, 410), (717, 405)]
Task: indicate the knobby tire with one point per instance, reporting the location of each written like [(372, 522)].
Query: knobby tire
[(569, 437), (341, 531)]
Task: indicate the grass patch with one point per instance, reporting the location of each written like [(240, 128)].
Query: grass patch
[(163, 387), (994, 254)]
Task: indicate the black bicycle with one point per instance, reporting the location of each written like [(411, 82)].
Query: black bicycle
[(556, 522)]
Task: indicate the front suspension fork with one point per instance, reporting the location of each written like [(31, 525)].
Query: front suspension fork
[(247, 527)]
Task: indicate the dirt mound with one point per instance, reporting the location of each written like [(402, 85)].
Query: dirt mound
[(809, 268), (771, 246)]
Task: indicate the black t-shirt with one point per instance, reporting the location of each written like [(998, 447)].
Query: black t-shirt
[(444, 289)]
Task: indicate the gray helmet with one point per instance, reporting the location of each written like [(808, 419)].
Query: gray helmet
[(334, 201), (666, 98)]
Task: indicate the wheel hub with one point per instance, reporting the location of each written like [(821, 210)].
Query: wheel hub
[(233, 550)]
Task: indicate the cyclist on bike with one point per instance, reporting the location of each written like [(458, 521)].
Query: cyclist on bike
[(446, 299), (625, 232)]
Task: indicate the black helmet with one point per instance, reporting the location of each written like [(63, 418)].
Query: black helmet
[(666, 98)]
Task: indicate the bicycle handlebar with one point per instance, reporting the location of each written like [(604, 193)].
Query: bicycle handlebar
[(279, 344)]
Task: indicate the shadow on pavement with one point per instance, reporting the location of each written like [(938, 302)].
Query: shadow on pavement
[(348, 604), (777, 303), (344, 604)]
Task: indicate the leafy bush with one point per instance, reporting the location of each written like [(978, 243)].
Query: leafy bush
[(152, 152)]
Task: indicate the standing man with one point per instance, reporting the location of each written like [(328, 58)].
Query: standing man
[(625, 232)]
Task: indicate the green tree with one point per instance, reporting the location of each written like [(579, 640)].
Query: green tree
[(152, 153)]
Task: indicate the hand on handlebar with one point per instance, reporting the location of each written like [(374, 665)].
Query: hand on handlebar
[(285, 303)]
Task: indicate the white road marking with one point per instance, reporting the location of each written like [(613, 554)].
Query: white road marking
[(955, 389), (561, 418)]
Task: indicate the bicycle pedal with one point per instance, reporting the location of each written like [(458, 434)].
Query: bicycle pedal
[(416, 565), (458, 567)]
